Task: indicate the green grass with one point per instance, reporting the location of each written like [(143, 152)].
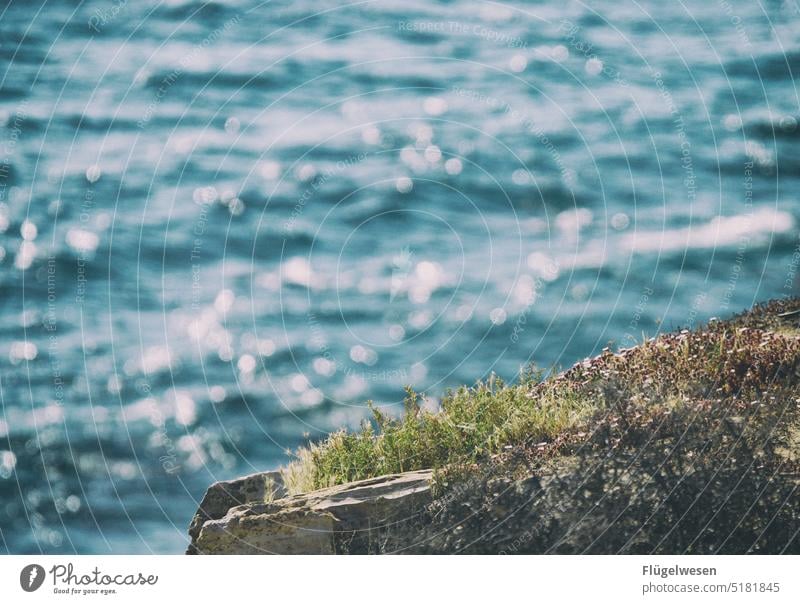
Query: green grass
[(473, 424), (676, 379)]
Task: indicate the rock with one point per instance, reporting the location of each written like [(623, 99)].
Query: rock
[(222, 496), (345, 518), (245, 531)]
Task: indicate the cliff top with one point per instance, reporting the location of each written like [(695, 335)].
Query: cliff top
[(688, 442)]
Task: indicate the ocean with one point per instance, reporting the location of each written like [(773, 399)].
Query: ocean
[(225, 226)]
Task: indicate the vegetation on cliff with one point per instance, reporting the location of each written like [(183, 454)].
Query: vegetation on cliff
[(740, 365), (687, 443), (473, 423)]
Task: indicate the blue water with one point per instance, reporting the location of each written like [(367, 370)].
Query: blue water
[(225, 226)]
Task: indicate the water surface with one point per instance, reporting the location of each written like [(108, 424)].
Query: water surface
[(225, 226)]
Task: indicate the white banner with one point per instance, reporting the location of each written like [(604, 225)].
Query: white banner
[(401, 579)]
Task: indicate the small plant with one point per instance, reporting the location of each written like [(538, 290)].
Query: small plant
[(473, 424)]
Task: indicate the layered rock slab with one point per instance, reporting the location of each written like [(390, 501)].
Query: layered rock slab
[(352, 517)]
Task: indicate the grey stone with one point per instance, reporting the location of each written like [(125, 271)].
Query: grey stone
[(224, 495), (350, 517)]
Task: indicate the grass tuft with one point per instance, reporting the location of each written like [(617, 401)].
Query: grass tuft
[(473, 424)]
